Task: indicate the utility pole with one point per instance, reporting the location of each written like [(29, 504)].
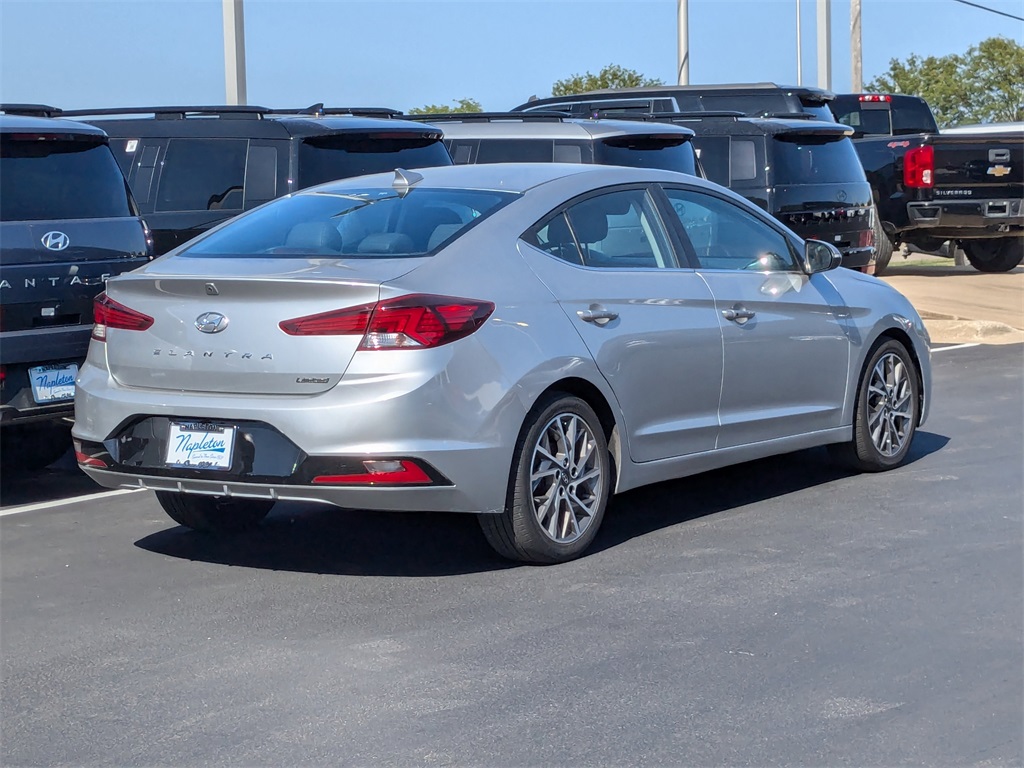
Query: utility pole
[(856, 73), (683, 71), (799, 59), (825, 44), (234, 52)]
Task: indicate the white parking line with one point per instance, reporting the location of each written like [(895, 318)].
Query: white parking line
[(955, 346), (62, 502)]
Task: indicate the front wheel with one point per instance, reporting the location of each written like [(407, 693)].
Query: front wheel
[(213, 514), (886, 411), (997, 255), (559, 485)]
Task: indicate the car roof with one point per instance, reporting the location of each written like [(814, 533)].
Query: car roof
[(14, 123), (820, 94), (518, 125), (761, 125), (506, 177)]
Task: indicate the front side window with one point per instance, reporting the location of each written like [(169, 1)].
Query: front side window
[(202, 175), (354, 223), (53, 177), (725, 236), (617, 230)]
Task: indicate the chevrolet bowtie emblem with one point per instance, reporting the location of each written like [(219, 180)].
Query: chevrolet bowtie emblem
[(998, 170)]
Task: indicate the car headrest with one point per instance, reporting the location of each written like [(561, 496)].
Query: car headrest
[(314, 235), (386, 242), (589, 224)]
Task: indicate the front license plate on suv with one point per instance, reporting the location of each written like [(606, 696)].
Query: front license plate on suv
[(199, 445), (53, 383)]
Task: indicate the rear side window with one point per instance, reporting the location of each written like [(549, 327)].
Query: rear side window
[(356, 223), (815, 160), (667, 154), (341, 156), (44, 177), (202, 175)]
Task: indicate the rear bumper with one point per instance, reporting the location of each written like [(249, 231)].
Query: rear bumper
[(949, 219)]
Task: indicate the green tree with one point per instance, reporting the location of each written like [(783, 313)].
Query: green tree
[(983, 85), (611, 76), (462, 105)]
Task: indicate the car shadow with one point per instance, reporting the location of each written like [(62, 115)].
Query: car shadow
[(318, 539)]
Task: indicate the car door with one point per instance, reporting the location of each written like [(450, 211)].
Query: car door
[(786, 350), (650, 325)]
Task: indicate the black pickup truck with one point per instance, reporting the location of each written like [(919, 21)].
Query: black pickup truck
[(929, 187)]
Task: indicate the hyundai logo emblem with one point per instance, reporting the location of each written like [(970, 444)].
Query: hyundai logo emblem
[(841, 195), (211, 322), (55, 241)]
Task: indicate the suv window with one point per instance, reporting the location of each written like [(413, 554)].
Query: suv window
[(361, 223), (802, 159), (647, 152), (326, 158), (203, 175), (728, 159), (66, 178)]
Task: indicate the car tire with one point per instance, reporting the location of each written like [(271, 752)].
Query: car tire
[(886, 411), (559, 485), (33, 446), (883, 247), (213, 514), (996, 255)]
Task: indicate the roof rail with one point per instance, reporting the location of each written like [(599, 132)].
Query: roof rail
[(319, 109), (175, 112), (492, 117), (789, 115), (30, 110), (667, 117)]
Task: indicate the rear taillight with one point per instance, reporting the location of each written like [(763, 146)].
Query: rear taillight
[(418, 321), (3, 376), (380, 472), (107, 313), (919, 167)]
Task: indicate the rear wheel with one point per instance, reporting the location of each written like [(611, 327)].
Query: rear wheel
[(883, 247), (213, 514), (33, 446), (996, 255), (559, 485), (886, 411)]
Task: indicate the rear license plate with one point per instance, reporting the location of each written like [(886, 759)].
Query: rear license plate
[(199, 445), (53, 383)]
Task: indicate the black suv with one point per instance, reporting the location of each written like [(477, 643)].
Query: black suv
[(540, 137), (193, 167), (804, 172), (754, 99), (67, 223)]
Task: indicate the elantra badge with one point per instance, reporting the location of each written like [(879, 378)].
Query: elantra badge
[(56, 241), (211, 322)]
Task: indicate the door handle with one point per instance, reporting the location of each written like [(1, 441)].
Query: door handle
[(738, 314), (596, 314)]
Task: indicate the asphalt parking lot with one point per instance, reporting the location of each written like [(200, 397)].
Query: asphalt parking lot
[(774, 613)]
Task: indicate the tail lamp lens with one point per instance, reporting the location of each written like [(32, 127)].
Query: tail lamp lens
[(919, 167), (380, 472), (417, 321), (107, 313)]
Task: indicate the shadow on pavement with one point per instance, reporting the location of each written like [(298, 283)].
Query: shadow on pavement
[(61, 480), (325, 540)]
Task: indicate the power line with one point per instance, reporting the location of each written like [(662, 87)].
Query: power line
[(990, 10)]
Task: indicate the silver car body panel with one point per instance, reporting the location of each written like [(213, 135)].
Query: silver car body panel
[(677, 379)]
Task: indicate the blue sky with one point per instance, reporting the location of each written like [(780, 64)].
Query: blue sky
[(409, 53)]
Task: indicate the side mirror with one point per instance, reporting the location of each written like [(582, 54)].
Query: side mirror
[(820, 257)]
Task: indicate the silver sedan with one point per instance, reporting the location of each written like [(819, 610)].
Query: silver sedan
[(518, 341)]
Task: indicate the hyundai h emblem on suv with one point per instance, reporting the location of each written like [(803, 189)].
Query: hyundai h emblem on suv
[(211, 322), (56, 241)]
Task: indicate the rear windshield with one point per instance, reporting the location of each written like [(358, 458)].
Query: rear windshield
[(359, 223), (647, 152), (43, 177), (326, 158), (801, 159), (900, 116)]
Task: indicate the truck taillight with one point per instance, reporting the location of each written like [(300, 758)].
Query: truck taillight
[(875, 97), (919, 167)]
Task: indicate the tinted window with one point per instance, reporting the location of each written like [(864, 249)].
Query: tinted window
[(714, 157), (815, 160), (900, 116), (515, 151), (647, 152), (724, 236), (202, 175), (326, 158), (60, 179), (910, 115), (359, 223)]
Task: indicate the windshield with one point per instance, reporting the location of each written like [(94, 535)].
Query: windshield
[(341, 156), (45, 177), (802, 159), (359, 223), (647, 152)]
